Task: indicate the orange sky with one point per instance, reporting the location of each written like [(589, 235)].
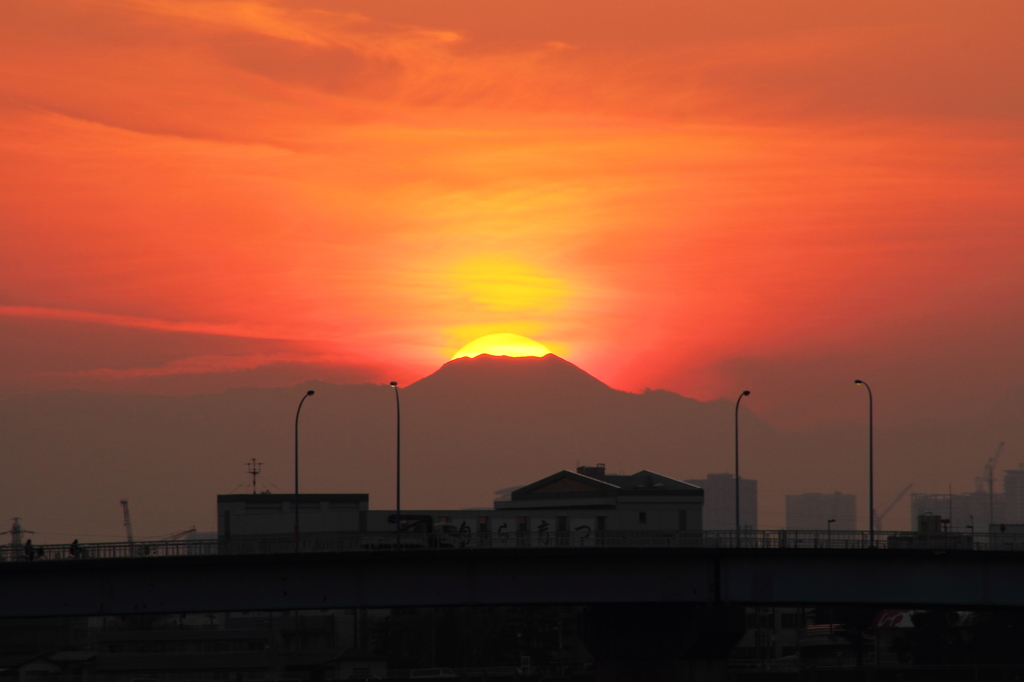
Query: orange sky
[(703, 197)]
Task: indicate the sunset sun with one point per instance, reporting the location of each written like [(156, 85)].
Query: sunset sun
[(512, 345)]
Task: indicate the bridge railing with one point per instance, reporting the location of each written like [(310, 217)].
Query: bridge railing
[(376, 542)]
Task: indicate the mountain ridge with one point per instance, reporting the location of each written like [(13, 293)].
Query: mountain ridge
[(472, 427)]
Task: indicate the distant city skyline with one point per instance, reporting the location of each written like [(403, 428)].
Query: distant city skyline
[(475, 426)]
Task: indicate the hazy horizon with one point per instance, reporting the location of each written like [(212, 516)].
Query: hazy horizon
[(471, 428)]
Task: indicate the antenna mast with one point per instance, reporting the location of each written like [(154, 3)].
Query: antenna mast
[(254, 470), (127, 521)]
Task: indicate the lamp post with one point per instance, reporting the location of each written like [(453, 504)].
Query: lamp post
[(297, 412), (871, 464), (398, 468), (829, 526), (737, 421)]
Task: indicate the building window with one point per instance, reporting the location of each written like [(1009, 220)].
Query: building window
[(643, 517)]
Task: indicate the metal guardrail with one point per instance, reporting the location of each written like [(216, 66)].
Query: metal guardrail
[(765, 539)]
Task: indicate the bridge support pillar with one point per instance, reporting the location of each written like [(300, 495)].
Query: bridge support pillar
[(661, 642)]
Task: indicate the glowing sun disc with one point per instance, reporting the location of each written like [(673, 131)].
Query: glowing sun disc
[(511, 345)]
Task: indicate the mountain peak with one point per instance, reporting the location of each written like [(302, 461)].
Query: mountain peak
[(550, 373)]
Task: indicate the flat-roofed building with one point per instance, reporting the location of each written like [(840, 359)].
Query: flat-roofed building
[(963, 512), (1010, 508), (273, 516), (719, 511), (582, 503)]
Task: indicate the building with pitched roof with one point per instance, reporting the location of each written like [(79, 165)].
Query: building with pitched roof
[(580, 505)]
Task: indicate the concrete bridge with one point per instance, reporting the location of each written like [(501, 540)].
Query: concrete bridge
[(480, 576)]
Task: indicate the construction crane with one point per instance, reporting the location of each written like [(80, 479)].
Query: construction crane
[(895, 501), (176, 536), (990, 470), (127, 521)]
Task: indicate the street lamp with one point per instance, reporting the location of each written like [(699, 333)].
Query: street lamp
[(829, 526), (871, 464), (308, 393), (738, 466), (398, 467)]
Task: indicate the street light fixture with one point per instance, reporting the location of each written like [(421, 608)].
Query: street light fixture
[(398, 468), (737, 421), (829, 526), (871, 464), (297, 412)]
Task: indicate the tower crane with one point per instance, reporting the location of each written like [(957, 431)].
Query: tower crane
[(127, 521), (895, 501), (178, 536)]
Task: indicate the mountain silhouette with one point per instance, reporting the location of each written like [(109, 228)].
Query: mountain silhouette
[(474, 426)]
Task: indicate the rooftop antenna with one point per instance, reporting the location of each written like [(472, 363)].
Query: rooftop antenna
[(253, 468)]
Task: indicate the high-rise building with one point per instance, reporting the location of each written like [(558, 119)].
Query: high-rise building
[(1013, 496), (812, 511), (720, 501)]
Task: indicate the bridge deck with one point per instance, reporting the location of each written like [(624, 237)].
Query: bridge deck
[(590, 575)]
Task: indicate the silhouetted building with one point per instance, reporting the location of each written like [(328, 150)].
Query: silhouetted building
[(641, 501), (1013, 497), (585, 503), (962, 510), (720, 501), (306, 646), (273, 516), (812, 511), (772, 633), (980, 508)]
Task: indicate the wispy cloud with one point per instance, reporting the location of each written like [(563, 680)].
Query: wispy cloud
[(248, 331)]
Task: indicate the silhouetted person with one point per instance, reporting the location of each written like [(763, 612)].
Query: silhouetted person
[(73, 549), (29, 551)]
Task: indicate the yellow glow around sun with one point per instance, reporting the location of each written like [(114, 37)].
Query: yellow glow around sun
[(512, 345)]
